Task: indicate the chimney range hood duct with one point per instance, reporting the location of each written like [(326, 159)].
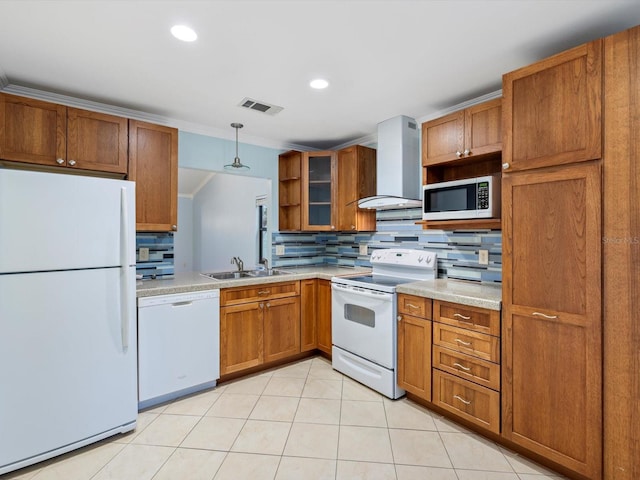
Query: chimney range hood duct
[(398, 166)]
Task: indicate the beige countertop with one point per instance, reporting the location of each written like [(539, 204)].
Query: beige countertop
[(194, 281), (465, 293)]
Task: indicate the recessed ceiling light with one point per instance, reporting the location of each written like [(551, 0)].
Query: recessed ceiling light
[(184, 33), (319, 83)]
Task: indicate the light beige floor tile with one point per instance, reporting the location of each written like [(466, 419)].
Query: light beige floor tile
[(167, 430), (135, 462), (312, 440), (194, 405), (296, 468), (318, 410), (252, 385), (144, 420), (191, 464), (445, 425), (321, 388), (83, 463), (532, 476), (365, 444), (474, 452), (364, 471), (418, 447), (407, 415), (362, 413), (279, 409), (240, 466), (233, 405), (484, 475), (352, 390), (297, 370), (325, 371), (284, 387), (214, 433), (410, 472), (159, 409), (259, 436), (26, 473), (523, 465)]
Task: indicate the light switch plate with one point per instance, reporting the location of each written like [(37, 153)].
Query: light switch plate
[(483, 257), (364, 249), (279, 249), (143, 254)]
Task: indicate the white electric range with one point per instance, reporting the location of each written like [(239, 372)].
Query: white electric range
[(364, 317)]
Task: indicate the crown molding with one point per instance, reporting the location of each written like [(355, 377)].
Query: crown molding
[(459, 106), (143, 116), (367, 140)]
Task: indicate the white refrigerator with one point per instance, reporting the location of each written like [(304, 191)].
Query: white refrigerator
[(68, 372)]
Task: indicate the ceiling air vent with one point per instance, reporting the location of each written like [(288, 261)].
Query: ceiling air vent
[(262, 107)]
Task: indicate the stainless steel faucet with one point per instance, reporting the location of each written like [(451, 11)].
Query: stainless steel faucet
[(265, 262), (238, 261)]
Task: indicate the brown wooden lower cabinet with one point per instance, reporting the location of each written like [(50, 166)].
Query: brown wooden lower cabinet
[(281, 328), (472, 402), (414, 355), (467, 367), (308, 314), (323, 319), (241, 337)]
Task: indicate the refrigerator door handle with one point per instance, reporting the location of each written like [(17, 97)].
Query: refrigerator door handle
[(124, 266)]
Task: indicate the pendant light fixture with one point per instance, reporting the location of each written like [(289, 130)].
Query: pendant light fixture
[(237, 164)]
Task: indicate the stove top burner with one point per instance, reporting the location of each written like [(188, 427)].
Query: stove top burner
[(386, 281)]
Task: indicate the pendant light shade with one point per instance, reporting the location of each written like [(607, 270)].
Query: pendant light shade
[(237, 164)]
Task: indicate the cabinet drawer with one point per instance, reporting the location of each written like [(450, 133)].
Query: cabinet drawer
[(472, 402), (465, 366), (477, 344), (416, 306), (236, 295), (473, 318)]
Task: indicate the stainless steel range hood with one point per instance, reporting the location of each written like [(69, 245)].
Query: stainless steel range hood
[(398, 166)]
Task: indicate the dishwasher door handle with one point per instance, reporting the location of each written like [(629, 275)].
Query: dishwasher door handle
[(182, 304)]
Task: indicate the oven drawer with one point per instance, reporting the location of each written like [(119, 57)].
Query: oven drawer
[(479, 345), (463, 316), (472, 402), (415, 306), (465, 366)]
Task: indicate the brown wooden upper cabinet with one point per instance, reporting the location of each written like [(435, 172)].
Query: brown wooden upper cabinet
[(44, 133), (332, 182), (153, 165), (552, 110), (473, 132), (289, 190), (356, 167)]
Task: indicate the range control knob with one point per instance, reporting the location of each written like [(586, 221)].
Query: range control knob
[(429, 260)]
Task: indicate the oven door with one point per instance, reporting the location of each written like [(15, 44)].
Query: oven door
[(363, 322)]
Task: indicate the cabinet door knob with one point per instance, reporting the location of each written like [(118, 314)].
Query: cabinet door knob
[(72, 162), (399, 318), (60, 161), (467, 152), (353, 227), (505, 166), (268, 305), (174, 227), (458, 153), (333, 227)]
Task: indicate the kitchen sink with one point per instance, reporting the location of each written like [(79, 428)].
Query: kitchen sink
[(228, 275), (267, 273), (244, 274)]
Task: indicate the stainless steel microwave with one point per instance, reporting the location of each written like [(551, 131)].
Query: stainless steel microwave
[(477, 197)]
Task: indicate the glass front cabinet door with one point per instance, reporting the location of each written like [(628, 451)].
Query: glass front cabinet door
[(318, 201)]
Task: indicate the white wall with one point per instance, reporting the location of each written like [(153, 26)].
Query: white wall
[(225, 222)]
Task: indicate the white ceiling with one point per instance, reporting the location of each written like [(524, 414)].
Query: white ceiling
[(383, 58)]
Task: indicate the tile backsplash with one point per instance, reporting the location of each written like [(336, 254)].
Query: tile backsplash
[(457, 251), (160, 263)]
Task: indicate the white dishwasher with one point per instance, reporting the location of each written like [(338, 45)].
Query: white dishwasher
[(178, 345)]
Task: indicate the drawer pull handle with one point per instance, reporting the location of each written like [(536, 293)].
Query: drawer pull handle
[(458, 397), (545, 316), (264, 292), (466, 344), (462, 367), (461, 316), (412, 305)]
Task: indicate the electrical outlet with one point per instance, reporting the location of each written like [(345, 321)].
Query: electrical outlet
[(279, 249), (483, 257), (143, 254), (364, 249)]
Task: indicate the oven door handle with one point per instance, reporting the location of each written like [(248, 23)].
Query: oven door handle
[(362, 291)]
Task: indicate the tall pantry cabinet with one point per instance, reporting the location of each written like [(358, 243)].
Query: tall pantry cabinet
[(552, 207)]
